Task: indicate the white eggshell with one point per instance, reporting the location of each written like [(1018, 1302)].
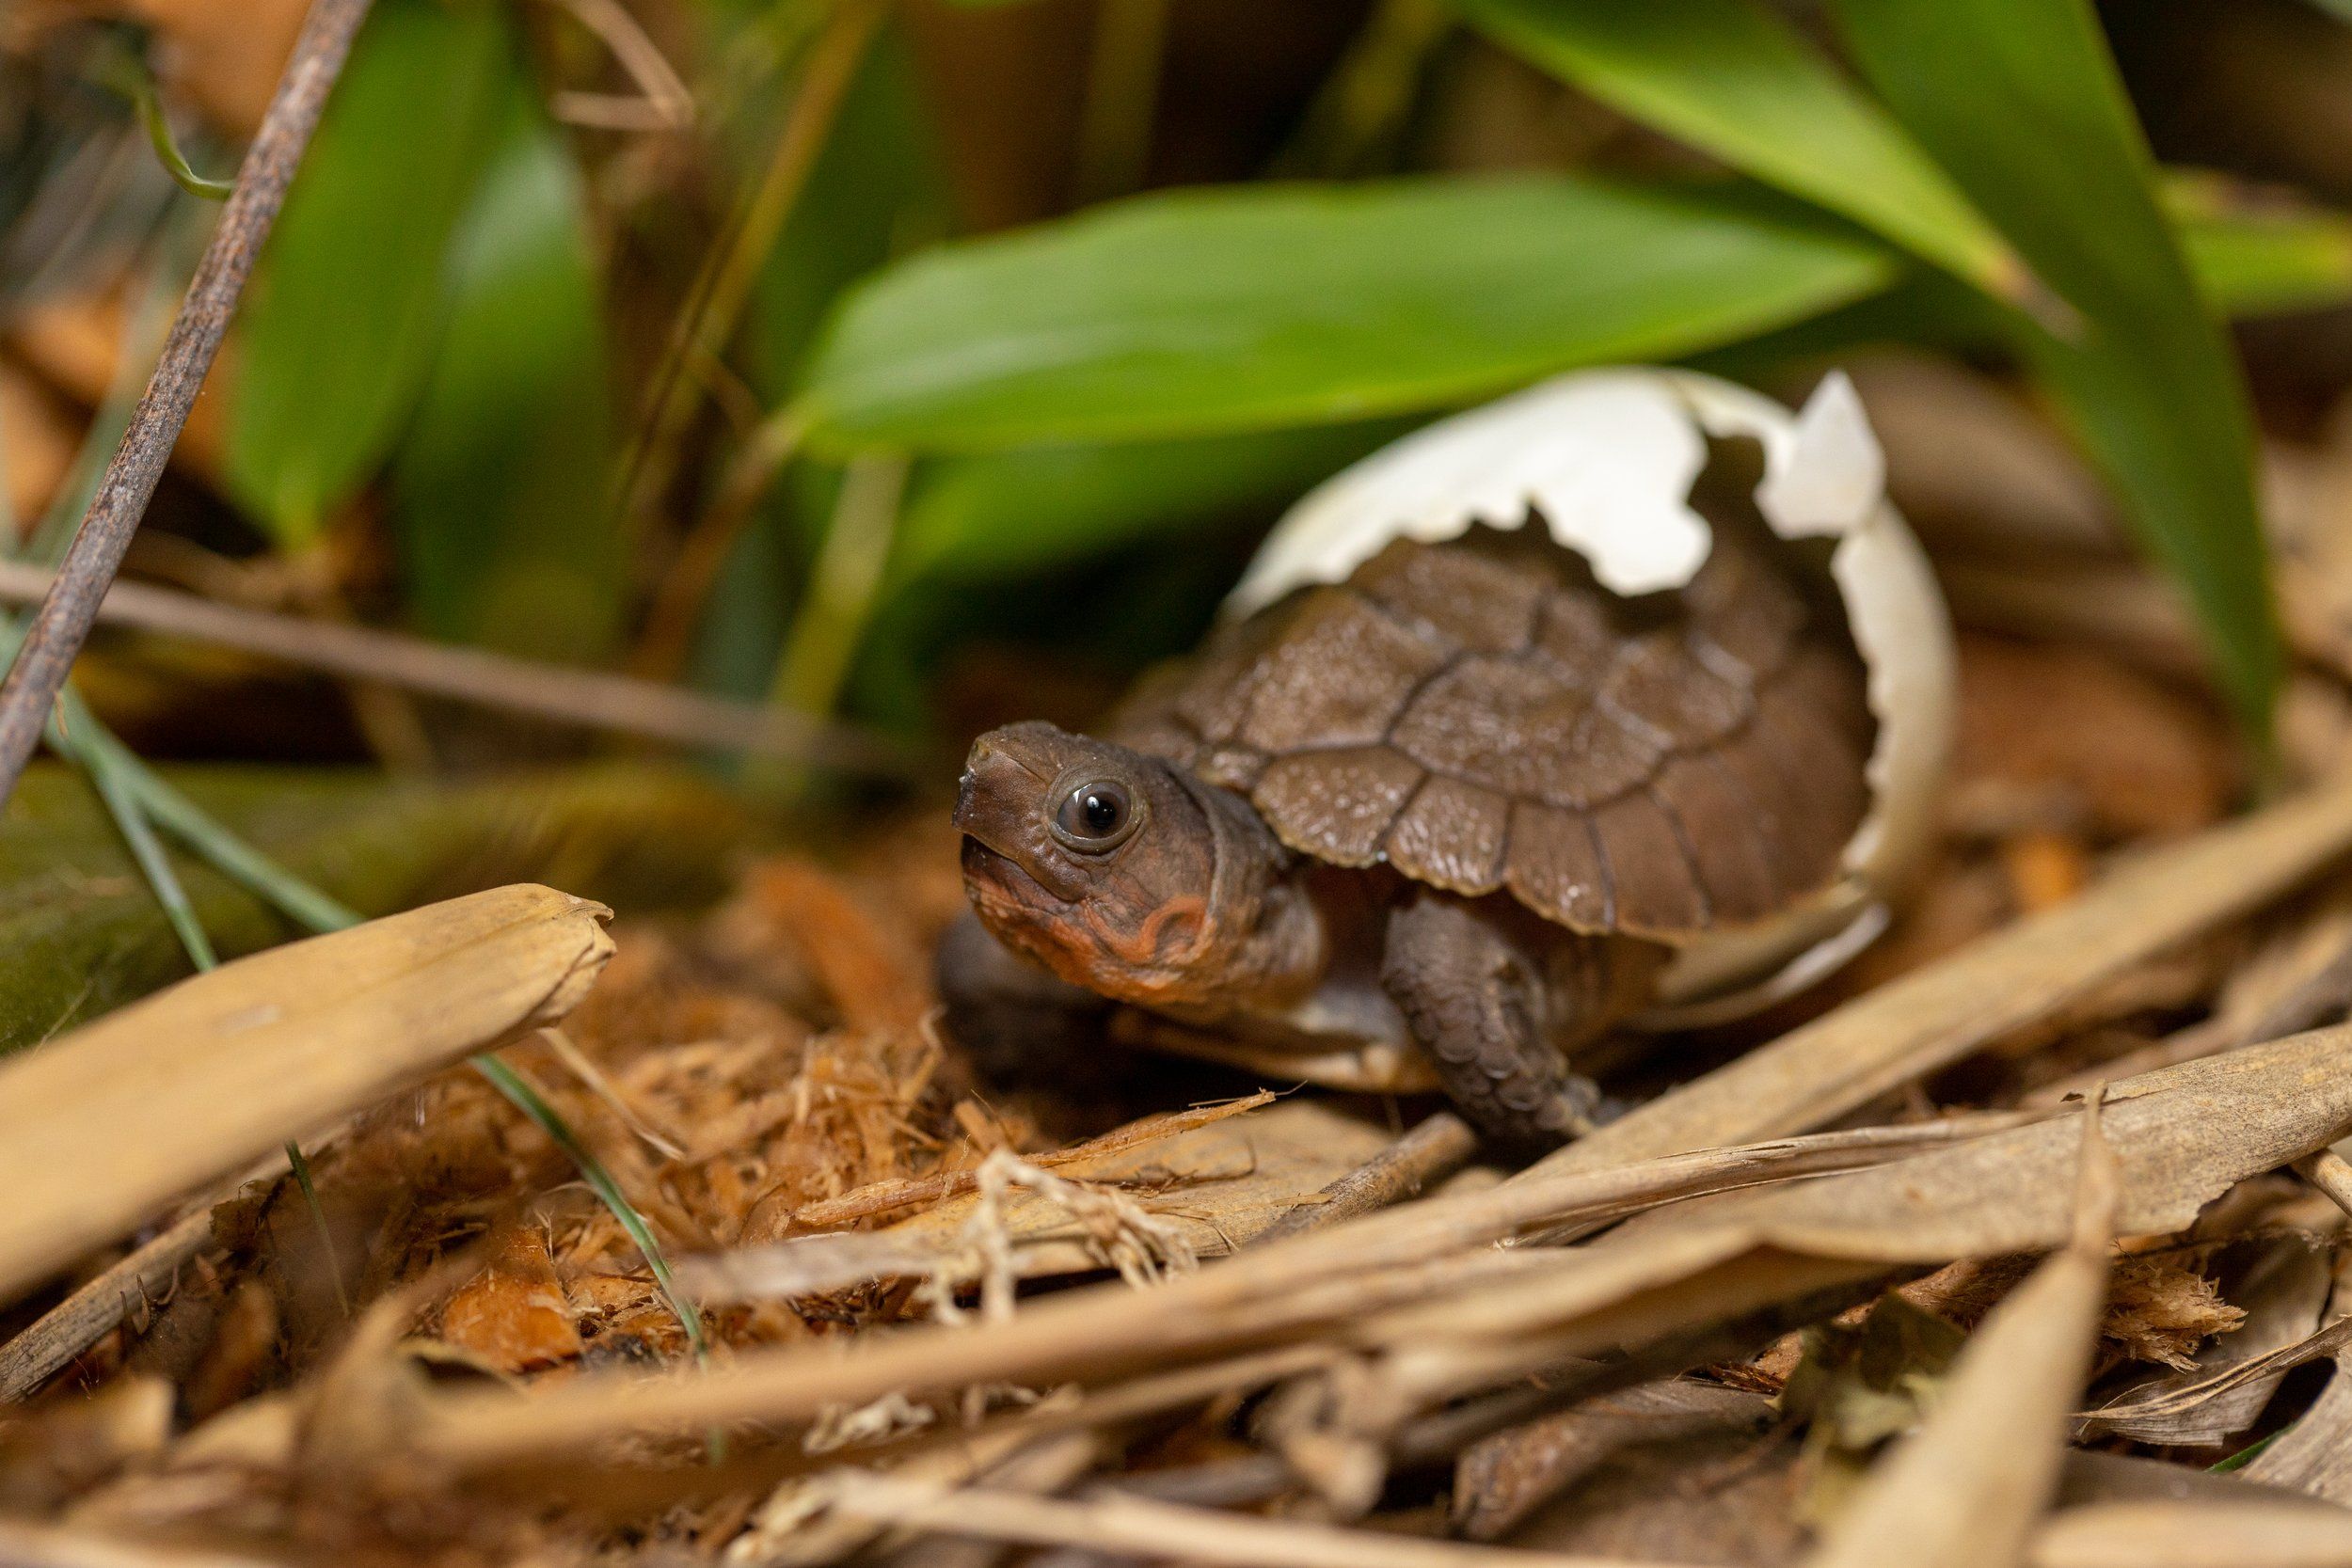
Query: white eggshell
[(1607, 458)]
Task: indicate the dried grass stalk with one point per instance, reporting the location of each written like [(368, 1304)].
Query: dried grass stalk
[(207, 1075)]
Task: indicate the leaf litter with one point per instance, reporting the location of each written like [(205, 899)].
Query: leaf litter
[(1848, 1288)]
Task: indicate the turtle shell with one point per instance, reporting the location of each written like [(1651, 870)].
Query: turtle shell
[(1480, 714)]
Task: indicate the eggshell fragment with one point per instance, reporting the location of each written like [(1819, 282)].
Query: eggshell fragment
[(1607, 458)]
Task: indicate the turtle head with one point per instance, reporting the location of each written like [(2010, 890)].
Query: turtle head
[(1116, 870)]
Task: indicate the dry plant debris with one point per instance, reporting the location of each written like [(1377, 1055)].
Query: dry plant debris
[(1193, 1321)]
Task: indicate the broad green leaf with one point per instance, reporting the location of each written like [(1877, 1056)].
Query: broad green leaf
[(2019, 100), (1012, 512), (1206, 311), (2263, 254), (500, 481), (338, 332), (1735, 80)]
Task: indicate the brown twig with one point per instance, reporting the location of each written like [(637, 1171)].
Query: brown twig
[(586, 697), (145, 1274), (661, 101), (2331, 1174), (80, 1321), (66, 615), (1432, 1151)]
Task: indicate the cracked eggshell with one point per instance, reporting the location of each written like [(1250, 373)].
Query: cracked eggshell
[(1607, 458)]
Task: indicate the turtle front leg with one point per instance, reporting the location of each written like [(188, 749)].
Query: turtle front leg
[(1497, 1009)]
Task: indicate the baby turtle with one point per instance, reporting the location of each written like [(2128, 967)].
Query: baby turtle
[(1467, 799), (1445, 820)]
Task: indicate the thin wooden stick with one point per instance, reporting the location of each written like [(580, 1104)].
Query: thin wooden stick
[(71, 609), (52, 1342), (586, 697), (1432, 1151), (2331, 1174), (77, 1322)]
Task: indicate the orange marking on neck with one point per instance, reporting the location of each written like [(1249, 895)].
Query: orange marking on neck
[(1143, 948), (1175, 908)]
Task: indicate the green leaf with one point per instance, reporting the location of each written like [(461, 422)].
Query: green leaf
[(1000, 514), (1205, 311), (2019, 100), (338, 333), (2259, 254), (1735, 81), (501, 478)]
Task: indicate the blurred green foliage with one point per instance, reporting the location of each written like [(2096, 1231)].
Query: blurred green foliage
[(504, 462), (344, 321), (466, 299)]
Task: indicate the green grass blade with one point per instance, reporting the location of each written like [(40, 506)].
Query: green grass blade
[(172, 811), (2020, 102), (1735, 80), (122, 800), (150, 111), (519, 1092)]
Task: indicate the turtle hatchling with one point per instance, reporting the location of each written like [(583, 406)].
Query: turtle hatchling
[(1528, 728)]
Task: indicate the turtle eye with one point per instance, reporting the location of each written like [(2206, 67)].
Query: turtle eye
[(1096, 816)]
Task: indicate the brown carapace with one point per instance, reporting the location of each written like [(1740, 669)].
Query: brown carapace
[(1467, 802)]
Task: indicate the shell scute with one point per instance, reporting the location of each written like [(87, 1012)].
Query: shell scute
[(1452, 835), (1339, 676), (1746, 610), (1499, 720), (1665, 687), (1650, 869), (1337, 804), (1719, 826), (1555, 868), (1467, 599)]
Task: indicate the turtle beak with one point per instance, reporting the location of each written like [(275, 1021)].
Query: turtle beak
[(1000, 807)]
